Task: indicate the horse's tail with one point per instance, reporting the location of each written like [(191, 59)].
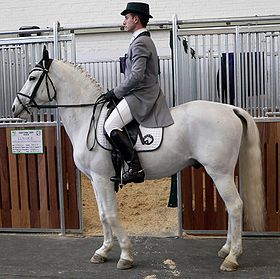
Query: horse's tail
[(250, 168)]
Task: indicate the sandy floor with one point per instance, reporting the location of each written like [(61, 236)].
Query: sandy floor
[(142, 207)]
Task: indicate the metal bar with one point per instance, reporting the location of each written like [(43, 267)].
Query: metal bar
[(272, 72), (246, 75), (38, 230), (179, 203), (227, 69), (19, 123), (258, 76), (176, 85), (250, 74), (32, 40), (210, 63), (198, 71), (242, 69), (219, 62), (27, 31), (164, 24), (2, 88), (273, 113), (277, 68), (58, 140), (262, 85), (79, 199), (253, 68), (175, 60), (268, 118), (3, 119), (4, 84), (224, 232), (230, 20), (73, 49), (237, 67), (189, 73), (205, 72), (265, 79), (227, 30)]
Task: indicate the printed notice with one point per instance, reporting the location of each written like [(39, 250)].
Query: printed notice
[(27, 141)]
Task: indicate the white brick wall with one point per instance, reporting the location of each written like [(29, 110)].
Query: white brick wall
[(43, 13)]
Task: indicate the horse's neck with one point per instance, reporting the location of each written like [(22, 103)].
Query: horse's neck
[(74, 87)]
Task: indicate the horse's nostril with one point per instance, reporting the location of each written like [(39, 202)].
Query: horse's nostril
[(13, 108)]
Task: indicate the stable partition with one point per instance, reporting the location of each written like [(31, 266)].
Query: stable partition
[(29, 189)]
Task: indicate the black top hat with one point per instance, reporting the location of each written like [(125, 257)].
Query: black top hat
[(137, 8)]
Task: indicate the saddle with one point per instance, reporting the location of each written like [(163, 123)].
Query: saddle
[(143, 139)]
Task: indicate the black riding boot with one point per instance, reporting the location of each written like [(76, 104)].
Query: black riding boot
[(135, 172)]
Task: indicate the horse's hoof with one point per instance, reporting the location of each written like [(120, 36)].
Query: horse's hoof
[(229, 266), (223, 253), (97, 259), (124, 264)]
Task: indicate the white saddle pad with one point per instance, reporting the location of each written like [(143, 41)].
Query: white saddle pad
[(152, 137)]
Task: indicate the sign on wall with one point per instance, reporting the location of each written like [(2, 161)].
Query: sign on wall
[(27, 141)]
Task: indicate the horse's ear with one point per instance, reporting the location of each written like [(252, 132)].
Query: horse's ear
[(46, 61), (45, 54)]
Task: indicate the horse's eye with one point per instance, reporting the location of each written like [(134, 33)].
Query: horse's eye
[(32, 78)]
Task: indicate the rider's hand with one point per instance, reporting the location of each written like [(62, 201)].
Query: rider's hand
[(109, 95)]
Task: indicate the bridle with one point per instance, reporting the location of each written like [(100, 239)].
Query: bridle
[(43, 67)]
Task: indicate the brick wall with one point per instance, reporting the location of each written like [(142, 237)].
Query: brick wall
[(18, 13)]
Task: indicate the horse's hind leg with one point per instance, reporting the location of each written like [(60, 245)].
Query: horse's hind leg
[(228, 192)]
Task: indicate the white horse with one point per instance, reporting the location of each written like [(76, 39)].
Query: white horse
[(212, 134)]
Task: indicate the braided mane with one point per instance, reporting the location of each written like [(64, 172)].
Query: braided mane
[(86, 75)]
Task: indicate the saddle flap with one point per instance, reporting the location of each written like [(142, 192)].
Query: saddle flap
[(151, 139), (148, 139)]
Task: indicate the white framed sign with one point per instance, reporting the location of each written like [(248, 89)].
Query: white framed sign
[(26, 141)]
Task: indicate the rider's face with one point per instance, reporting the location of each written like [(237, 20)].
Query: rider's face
[(130, 22)]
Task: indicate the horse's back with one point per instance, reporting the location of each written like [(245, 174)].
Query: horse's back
[(205, 115), (204, 108)]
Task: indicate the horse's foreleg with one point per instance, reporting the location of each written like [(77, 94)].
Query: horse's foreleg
[(101, 254), (224, 251), (107, 205), (227, 189)]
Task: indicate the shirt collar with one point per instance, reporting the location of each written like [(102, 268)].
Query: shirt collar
[(137, 33)]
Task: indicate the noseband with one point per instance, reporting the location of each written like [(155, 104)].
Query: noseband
[(43, 66)]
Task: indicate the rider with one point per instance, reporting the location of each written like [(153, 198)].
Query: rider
[(140, 95)]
